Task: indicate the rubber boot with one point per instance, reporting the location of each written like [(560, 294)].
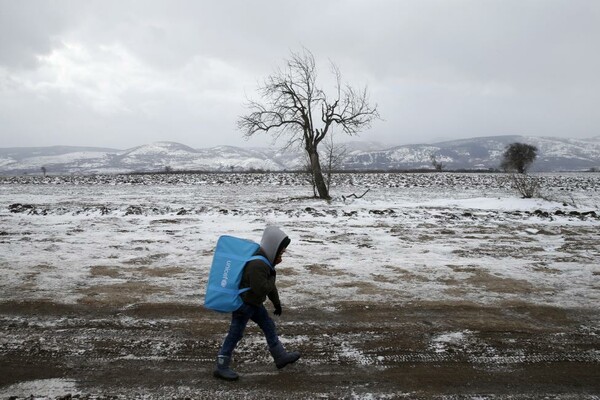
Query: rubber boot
[(223, 371), (282, 357)]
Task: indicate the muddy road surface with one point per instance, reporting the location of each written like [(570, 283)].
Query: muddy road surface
[(350, 350)]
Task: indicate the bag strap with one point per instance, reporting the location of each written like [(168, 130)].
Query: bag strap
[(262, 258), (228, 291)]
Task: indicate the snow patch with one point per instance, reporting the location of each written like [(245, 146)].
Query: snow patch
[(42, 387)]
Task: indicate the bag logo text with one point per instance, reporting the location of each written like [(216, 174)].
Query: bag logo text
[(226, 273)]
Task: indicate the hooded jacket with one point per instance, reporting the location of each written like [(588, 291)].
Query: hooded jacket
[(259, 276)]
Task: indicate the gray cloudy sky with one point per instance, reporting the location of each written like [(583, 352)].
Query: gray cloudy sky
[(125, 73)]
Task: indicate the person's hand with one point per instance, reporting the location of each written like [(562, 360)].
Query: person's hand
[(277, 310)]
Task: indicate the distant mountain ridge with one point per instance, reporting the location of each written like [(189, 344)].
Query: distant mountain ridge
[(483, 153), (555, 154)]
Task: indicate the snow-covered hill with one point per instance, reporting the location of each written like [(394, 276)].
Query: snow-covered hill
[(555, 154), (162, 155), (157, 156)]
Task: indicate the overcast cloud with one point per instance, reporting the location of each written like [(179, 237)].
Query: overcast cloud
[(124, 73)]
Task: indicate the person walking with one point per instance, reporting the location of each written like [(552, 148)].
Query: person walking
[(260, 278)]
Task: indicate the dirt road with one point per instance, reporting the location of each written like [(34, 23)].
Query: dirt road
[(350, 350)]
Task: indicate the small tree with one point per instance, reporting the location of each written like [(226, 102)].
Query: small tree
[(436, 164), (334, 158), (518, 157), (526, 185), (293, 104), (310, 177)]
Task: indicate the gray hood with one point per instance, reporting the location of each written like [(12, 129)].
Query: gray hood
[(271, 240)]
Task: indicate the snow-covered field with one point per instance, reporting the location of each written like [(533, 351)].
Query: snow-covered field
[(412, 239)]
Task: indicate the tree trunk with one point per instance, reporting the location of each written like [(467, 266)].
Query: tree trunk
[(317, 173)]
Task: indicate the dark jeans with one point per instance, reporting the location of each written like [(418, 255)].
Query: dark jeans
[(239, 320)]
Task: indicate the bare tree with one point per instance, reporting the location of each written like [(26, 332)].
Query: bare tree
[(292, 102), (438, 165), (528, 186)]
